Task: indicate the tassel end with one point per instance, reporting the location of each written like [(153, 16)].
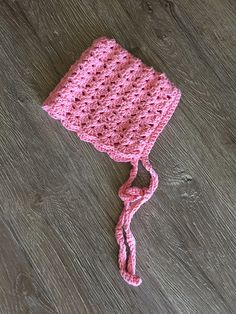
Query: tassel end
[(132, 280)]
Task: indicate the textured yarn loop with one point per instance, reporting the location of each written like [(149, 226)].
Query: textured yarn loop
[(112, 100), (133, 198)]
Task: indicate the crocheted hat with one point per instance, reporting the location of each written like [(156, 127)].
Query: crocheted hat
[(114, 101)]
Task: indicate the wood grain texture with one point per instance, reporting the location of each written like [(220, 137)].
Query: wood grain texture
[(59, 202)]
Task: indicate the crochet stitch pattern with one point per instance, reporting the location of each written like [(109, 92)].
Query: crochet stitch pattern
[(120, 105)]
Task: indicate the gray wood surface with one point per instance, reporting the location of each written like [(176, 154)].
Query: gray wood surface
[(58, 195)]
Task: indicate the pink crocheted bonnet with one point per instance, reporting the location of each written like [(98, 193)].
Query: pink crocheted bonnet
[(114, 101)]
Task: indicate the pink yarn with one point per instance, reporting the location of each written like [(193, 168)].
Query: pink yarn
[(114, 101)]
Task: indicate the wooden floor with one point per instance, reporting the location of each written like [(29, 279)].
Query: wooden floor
[(59, 202)]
